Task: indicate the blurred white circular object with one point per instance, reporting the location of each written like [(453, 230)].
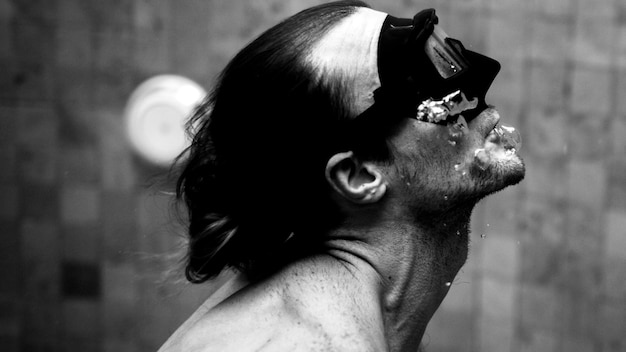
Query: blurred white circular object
[(156, 114)]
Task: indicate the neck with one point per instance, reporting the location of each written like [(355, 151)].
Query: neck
[(413, 260)]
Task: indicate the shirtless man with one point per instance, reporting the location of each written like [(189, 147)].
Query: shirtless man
[(334, 170)]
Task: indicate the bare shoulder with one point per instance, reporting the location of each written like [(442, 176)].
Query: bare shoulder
[(251, 323), (283, 315)]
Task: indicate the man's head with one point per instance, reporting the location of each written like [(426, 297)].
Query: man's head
[(315, 120)]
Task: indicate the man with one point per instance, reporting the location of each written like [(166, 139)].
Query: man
[(334, 170)]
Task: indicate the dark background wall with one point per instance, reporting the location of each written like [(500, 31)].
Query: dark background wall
[(85, 232)]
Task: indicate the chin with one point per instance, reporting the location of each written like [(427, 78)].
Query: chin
[(501, 172)]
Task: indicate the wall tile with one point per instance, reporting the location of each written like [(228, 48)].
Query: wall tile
[(32, 40), (460, 295), (493, 336), (8, 158), (74, 48), (157, 314), (39, 202), (467, 25), (82, 242), (614, 277), (546, 135), (74, 13), (446, 324), (120, 298), (37, 165), (156, 225), (541, 262), (183, 55), (80, 166), (574, 343), (538, 308), (153, 26), (498, 300), (37, 126), (620, 46), (9, 202), (501, 212), (617, 132), (10, 319), (112, 345), (10, 260), (594, 42), (543, 220), (579, 313), (587, 183), (588, 136), (507, 91), (551, 39), (39, 240), (502, 7), (6, 15), (80, 205), (44, 320), (119, 226), (508, 37), (615, 242), (620, 77), (113, 89), (81, 318), (561, 9), (613, 315), (118, 171), (544, 178), (584, 228), (8, 125), (81, 280), (616, 185), (9, 343), (534, 340), (80, 344), (591, 90), (112, 14), (597, 10), (501, 257), (73, 93), (548, 82)]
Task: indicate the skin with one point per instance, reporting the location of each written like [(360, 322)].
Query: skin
[(385, 271)]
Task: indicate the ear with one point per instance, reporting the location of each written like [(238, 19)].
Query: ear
[(359, 182)]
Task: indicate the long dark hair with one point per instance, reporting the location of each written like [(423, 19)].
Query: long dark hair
[(262, 138)]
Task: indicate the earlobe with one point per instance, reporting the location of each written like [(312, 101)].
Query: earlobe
[(359, 182)]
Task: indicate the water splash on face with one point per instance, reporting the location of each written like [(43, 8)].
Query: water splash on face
[(482, 158), (511, 138)]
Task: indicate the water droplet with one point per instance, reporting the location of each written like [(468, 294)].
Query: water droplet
[(452, 143), (482, 158), (445, 197), (488, 225), (448, 283), (510, 137)]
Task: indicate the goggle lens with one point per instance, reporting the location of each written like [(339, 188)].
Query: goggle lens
[(445, 54)]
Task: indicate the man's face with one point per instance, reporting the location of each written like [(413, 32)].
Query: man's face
[(439, 166), (436, 165)]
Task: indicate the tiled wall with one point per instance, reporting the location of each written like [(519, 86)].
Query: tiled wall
[(82, 221)]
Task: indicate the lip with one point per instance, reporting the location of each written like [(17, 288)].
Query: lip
[(485, 122)]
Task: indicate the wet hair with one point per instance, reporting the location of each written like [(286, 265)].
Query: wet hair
[(253, 178)]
